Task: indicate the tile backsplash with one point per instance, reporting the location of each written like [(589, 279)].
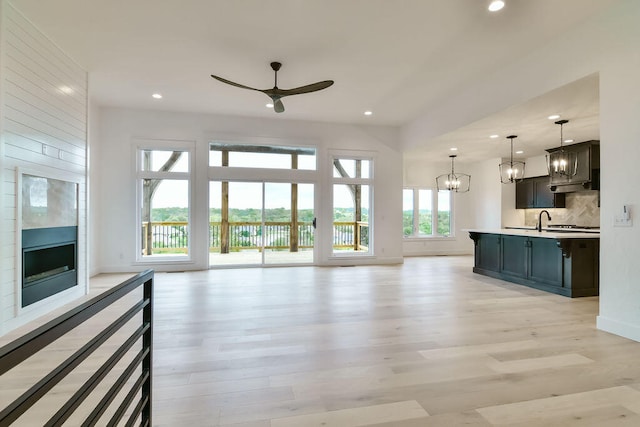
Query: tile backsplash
[(581, 209)]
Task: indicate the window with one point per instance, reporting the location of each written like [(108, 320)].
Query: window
[(422, 208), (261, 156), (163, 203), (352, 192)]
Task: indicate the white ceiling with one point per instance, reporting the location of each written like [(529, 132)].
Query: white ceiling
[(398, 59), (577, 102)]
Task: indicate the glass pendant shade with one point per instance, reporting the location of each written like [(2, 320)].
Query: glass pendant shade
[(561, 162), (513, 170), (458, 182)]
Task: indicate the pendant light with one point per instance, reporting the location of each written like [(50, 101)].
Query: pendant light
[(513, 170), (560, 162), (458, 182)]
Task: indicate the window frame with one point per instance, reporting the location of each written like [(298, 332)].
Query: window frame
[(415, 235), (258, 147), (158, 145), (369, 182)]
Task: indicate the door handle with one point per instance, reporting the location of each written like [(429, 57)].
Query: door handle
[(314, 223)]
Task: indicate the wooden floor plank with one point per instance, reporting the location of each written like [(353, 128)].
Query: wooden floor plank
[(426, 343)]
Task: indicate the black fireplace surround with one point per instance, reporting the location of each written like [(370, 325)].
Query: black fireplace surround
[(48, 262)]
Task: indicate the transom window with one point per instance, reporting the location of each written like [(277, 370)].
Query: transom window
[(261, 156)]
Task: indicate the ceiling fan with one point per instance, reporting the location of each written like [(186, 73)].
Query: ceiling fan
[(276, 93)]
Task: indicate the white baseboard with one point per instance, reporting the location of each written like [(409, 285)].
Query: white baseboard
[(341, 261), (437, 253), (623, 329), (43, 308)]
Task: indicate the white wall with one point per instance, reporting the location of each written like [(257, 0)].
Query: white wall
[(44, 100), (619, 154), (7, 237), (94, 185), (510, 215), (535, 166), (487, 194), (121, 128)]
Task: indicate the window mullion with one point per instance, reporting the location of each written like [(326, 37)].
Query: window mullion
[(434, 213), (416, 213)]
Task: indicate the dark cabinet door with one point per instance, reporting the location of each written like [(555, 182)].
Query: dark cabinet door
[(585, 263), (488, 252), (544, 197), (524, 194), (545, 261), (514, 255), (535, 193)]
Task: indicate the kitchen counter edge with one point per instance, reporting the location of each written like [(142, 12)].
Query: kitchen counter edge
[(547, 234)]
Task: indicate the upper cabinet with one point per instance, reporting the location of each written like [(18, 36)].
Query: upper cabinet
[(587, 175), (535, 193)]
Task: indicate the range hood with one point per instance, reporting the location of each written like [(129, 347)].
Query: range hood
[(587, 176)]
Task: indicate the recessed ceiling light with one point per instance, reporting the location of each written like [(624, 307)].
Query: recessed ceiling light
[(554, 116), (66, 89), (568, 141), (157, 96), (496, 5), (494, 136), (368, 113), (269, 105), (519, 152), (453, 149)]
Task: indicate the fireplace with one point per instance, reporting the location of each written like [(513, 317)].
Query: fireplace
[(48, 262), (49, 230)]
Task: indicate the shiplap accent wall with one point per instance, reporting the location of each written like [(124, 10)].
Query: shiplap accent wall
[(43, 108)]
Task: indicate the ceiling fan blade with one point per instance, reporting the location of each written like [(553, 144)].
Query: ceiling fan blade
[(278, 106), (304, 89), (276, 93), (229, 82)]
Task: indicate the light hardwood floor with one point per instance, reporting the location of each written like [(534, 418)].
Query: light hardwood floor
[(426, 343)]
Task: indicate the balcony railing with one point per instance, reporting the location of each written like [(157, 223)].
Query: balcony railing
[(173, 236), (118, 388)]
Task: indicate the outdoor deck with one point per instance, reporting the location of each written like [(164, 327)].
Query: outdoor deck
[(247, 241)]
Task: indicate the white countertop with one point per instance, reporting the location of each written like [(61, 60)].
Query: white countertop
[(547, 233)]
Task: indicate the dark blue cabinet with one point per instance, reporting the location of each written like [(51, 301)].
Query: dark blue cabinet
[(534, 193), (567, 267)]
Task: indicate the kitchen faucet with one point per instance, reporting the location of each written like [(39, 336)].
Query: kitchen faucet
[(540, 218)]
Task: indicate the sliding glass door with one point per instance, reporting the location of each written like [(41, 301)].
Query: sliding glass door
[(260, 223)]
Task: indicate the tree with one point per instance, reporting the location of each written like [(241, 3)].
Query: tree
[(356, 194), (149, 187)]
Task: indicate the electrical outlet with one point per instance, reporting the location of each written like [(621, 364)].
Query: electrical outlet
[(45, 149)]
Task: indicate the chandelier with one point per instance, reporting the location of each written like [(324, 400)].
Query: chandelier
[(458, 182), (513, 170), (560, 162)]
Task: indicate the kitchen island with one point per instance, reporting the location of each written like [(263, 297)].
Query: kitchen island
[(560, 261)]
